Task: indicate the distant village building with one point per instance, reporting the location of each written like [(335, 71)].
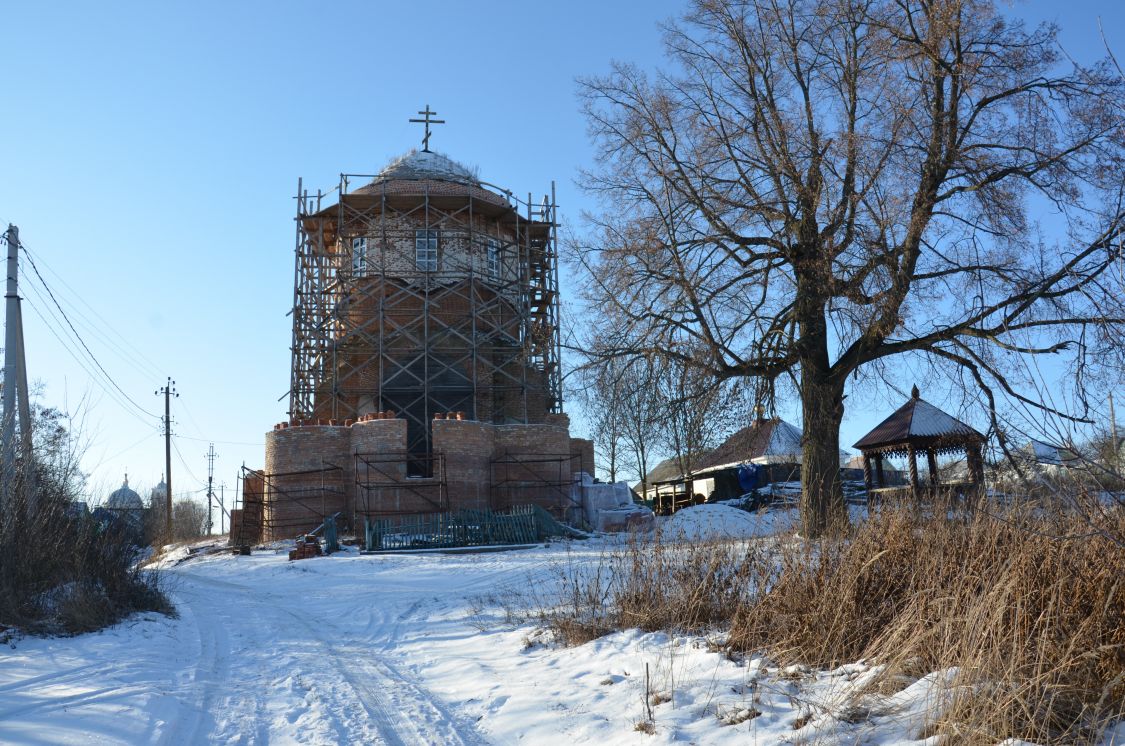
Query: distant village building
[(767, 450)]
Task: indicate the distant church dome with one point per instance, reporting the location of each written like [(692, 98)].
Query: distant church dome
[(424, 164), (124, 498)]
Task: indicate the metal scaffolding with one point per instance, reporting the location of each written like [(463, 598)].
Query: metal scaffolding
[(425, 297)]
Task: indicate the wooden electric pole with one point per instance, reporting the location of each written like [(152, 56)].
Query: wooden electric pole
[(210, 482), (168, 391)]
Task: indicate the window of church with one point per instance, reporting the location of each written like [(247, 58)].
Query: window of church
[(493, 259), (359, 256), (426, 250)]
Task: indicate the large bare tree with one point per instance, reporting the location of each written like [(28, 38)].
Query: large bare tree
[(813, 186)]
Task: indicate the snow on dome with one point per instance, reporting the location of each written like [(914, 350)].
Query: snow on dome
[(424, 164), (124, 498), (710, 522)]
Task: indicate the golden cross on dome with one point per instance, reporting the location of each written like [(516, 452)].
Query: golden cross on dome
[(427, 114)]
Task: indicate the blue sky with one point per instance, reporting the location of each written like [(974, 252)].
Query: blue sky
[(149, 153)]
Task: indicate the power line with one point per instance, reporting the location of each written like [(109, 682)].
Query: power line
[(133, 355), (183, 461), (49, 322), (78, 336), (223, 442), (123, 451)]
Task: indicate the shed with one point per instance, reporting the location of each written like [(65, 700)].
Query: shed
[(920, 427)]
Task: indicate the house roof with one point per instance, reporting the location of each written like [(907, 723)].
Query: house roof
[(917, 422), (763, 439), (1044, 453), (667, 469)]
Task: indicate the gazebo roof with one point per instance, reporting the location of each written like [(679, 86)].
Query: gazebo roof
[(918, 423)]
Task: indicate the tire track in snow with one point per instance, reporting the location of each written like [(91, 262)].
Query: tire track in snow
[(399, 708), (212, 670)]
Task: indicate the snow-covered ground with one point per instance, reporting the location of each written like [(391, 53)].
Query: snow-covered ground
[(405, 649)]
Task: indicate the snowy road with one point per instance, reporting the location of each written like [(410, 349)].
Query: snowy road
[(264, 651), (356, 649), (255, 642)]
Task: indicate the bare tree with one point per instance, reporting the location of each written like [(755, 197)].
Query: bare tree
[(640, 412), (697, 411), (599, 392), (818, 185)]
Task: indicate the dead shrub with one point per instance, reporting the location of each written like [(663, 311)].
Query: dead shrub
[(1027, 606), (651, 585), (66, 573)]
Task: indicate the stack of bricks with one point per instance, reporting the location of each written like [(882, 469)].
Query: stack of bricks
[(307, 547)]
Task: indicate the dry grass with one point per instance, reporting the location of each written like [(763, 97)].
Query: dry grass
[(1029, 608), (651, 585)]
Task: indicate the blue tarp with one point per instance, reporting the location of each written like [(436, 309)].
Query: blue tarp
[(748, 477)]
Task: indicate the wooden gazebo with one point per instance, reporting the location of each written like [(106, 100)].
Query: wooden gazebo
[(920, 427)]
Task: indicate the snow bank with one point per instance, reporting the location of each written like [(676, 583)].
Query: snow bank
[(709, 522), (390, 649)]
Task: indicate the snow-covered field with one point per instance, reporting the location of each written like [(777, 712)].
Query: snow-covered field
[(390, 649)]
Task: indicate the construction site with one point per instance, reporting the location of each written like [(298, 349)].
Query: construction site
[(425, 373)]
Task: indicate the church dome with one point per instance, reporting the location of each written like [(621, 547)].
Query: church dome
[(425, 164), (425, 173), (124, 498)]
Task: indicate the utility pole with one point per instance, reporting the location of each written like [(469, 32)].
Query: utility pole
[(168, 390), (15, 382), (1113, 434), (210, 480), (222, 506)]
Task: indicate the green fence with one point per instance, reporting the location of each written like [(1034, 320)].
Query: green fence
[(464, 528)]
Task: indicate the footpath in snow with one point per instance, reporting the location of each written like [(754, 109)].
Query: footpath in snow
[(408, 649)]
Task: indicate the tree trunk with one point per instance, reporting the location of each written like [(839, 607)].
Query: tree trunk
[(822, 499)]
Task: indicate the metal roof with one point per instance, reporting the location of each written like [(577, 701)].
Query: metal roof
[(124, 498), (762, 441), (424, 164), (917, 421)]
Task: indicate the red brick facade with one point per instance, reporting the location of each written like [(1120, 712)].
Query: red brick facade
[(363, 468)]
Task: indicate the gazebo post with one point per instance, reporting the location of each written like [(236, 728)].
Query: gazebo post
[(879, 470), (912, 464), (931, 459), (976, 466), (867, 475)]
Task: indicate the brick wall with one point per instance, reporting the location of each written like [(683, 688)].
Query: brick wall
[(542, 460), (467, 447), (297, 502), (582, 450)]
